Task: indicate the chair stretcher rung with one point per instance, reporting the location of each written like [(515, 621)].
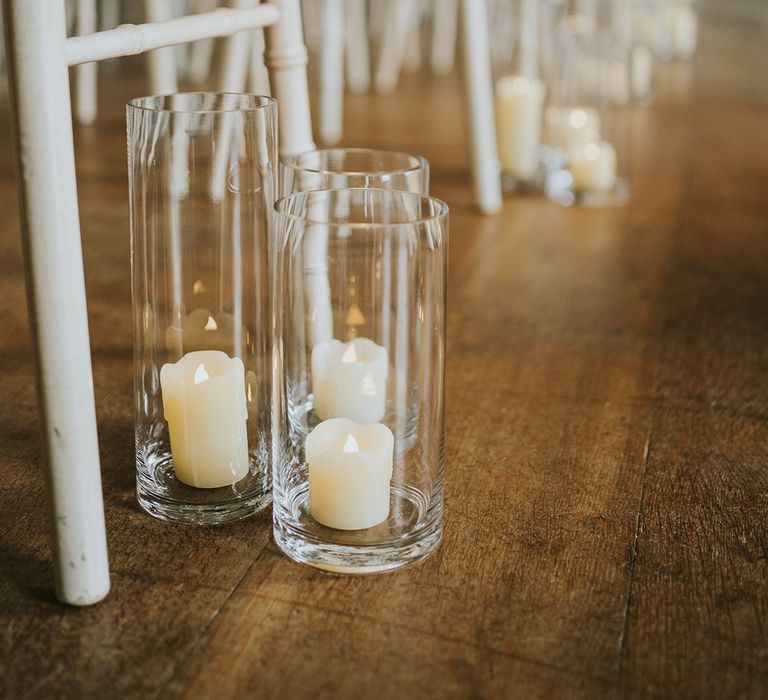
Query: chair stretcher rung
[(131, 39)]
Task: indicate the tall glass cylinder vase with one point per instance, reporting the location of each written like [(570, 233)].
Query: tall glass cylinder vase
[(202, 177), (586, 121), (342, 168), (358, 467)]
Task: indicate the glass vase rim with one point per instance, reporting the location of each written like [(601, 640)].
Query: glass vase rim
[(291, 161), (256, 102), (440, 213)]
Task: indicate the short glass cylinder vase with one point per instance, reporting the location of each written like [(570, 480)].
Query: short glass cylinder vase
[(358, 468), (202, 176), (343, 168)]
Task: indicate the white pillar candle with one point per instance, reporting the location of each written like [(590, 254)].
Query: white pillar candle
[(350, 467), (519, 105), (204, 405), (572, 126), (593, 166), (349, 380)]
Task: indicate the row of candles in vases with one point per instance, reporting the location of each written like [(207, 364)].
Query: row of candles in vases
[(349, 453), (575, 131), (595, 70)]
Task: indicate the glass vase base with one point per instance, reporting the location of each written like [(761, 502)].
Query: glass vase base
[(512, 185), (614, 197), (385, 547), (219, 514), (163, 496)]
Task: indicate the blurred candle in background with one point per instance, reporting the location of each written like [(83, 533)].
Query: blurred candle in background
[(569, 127), (593, 166), (519, 106)]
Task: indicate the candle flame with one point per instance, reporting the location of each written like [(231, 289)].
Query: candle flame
[(198, 287), (211, 325), (355, 315), (350, 354), (351, 444), (200, 374)]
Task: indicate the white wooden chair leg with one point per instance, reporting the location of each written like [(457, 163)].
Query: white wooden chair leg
[(357, 47), (486, 170), (412, 54), (287, 59), (201, 52), (86, 76), (258, 75), (181, 51), (234, 66), (444, 24), (393, 44), (163, 79), (332, 73), (234, 73), (56, 293)]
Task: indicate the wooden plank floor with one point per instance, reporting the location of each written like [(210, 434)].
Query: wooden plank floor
[(607, 441)]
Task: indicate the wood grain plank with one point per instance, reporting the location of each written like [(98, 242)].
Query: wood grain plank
[(698, 611), (698, 619), (126, 647)]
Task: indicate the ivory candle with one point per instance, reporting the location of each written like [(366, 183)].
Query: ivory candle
[(519, 105), (572, 126), (350, 467), (593, 166), (349, 380), (204, 405)]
